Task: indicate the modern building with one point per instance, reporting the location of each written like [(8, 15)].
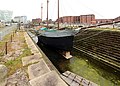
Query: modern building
[(20, 19), (6, 15)]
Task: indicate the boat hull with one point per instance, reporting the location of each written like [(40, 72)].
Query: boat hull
[(58, 43)]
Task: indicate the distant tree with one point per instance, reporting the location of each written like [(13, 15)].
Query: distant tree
[(12, 21)]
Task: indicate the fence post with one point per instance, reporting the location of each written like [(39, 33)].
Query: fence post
[(11, 38), (13, 33), (6, 48), (0, 35)]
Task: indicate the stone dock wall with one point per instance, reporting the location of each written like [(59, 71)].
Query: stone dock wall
[(40, 72)]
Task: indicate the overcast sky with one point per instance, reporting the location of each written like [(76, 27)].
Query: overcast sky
[(32, 8)]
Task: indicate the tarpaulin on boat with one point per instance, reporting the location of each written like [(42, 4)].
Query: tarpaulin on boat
[(44, 28)]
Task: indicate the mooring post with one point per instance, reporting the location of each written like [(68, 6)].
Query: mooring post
[(6, 48)]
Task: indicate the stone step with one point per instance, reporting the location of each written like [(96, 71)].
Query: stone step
[(75, 80), (31, 59), (48, 79), (38, 69)]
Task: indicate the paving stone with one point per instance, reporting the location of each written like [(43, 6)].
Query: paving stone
[(72, 76), (85, 81), (78, 78), (67, 73), (3, 73), (92, 84), (31, 59), (38, 69), (17, 53), (67, 80), (75, 80), (19, 78), (11, 58), (49, 79), (74, 84)]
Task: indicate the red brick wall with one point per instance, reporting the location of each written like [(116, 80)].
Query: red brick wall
[(36, 21), (87, 19), (104, 20), (83, 19), (69, 19)]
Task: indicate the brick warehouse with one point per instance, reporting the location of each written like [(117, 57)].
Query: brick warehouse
[(98, 21), (36, 21), (87, 19), (69, 19), (83, 19)]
